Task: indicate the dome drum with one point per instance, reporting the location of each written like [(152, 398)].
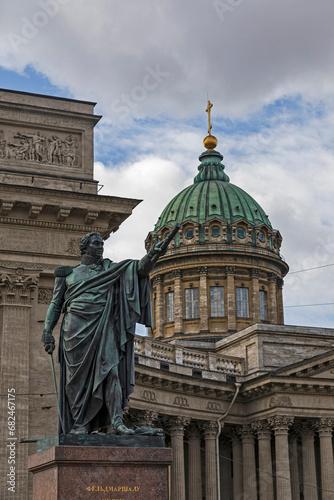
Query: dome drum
[(214, 299)]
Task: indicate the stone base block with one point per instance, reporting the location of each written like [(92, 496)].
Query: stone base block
[(100, 473)]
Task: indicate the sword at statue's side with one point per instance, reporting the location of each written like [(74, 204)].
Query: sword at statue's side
[(55, 383)]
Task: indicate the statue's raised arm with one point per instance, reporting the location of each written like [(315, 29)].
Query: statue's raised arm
[(156, 251)]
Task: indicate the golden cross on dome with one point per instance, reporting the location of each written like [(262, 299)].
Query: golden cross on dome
[(208, 110)]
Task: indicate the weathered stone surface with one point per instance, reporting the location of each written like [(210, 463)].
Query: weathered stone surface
[(68, 472)]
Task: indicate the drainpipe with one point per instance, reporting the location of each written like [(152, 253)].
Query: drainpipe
[(237, 389)]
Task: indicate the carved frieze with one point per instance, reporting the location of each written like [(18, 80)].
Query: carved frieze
[(44, 147)]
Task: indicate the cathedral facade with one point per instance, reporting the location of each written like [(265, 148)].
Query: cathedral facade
[(246, 402)]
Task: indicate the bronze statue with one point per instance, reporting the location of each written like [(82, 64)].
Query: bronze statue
[(102, 301)]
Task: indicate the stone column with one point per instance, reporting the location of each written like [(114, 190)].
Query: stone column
[(178, 302), (294, 468), (280, 308), (194, 463), (256, 296), (272, 300), (266, 484), (280, 425), (237, 465), (15, 296), (325, 429), (210, 435), (231, 305), (159, 312), (249, 465), (176, 429), (225, 469), (309, 467), (203, 299)]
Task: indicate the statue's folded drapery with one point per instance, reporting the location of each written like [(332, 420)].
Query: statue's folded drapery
[(101, 305)]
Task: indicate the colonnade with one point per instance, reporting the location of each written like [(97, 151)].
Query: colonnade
[(267, 459)]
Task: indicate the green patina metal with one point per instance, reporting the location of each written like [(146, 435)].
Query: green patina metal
[(212, 196)]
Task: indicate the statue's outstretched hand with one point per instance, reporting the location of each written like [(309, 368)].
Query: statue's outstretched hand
[(48, 341)]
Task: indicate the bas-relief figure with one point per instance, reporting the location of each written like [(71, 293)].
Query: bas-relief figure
[(102, 301), (35, 147)]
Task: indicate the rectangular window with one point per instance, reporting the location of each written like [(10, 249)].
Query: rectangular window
[(217, 300), (263, 305), (169, 307), (191, 296), (242, 302)]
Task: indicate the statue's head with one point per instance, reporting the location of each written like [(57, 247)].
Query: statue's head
[(92, 244)]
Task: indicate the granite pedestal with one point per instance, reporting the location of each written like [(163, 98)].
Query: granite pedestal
[(101, 471)]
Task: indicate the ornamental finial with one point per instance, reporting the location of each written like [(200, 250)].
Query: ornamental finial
[(210, 142)]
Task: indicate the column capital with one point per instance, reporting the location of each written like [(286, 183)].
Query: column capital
[(16, 286), (255, 273), (262, 428), (247, 433), (177, 424), (325, 426), (177, 273), (210, 429), (234, 434), (148, 418), (280, 423), (306, 428), (158, 279), (203, 270), (280, 283), (230, 270), (193, 429)]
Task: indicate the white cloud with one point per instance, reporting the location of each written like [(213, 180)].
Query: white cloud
[(102, 49), (142, 61), (153, 180)]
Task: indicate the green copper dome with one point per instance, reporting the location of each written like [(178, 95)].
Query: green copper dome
[(212, 196)]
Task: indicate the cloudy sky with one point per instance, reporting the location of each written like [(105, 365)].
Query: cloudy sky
[(268, 68)]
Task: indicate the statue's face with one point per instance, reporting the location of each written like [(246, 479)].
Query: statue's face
[(94, 246)]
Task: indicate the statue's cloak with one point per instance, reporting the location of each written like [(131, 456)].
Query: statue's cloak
[(102, 305)]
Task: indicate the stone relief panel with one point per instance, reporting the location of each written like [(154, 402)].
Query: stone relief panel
[(283, 401), (46, 147), (74, 246), (45, 295)]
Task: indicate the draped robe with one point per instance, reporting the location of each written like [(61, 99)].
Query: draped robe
[(101, 305)]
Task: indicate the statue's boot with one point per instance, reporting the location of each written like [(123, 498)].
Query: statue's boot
[(122, 429), (79, 430), (113, 401)]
